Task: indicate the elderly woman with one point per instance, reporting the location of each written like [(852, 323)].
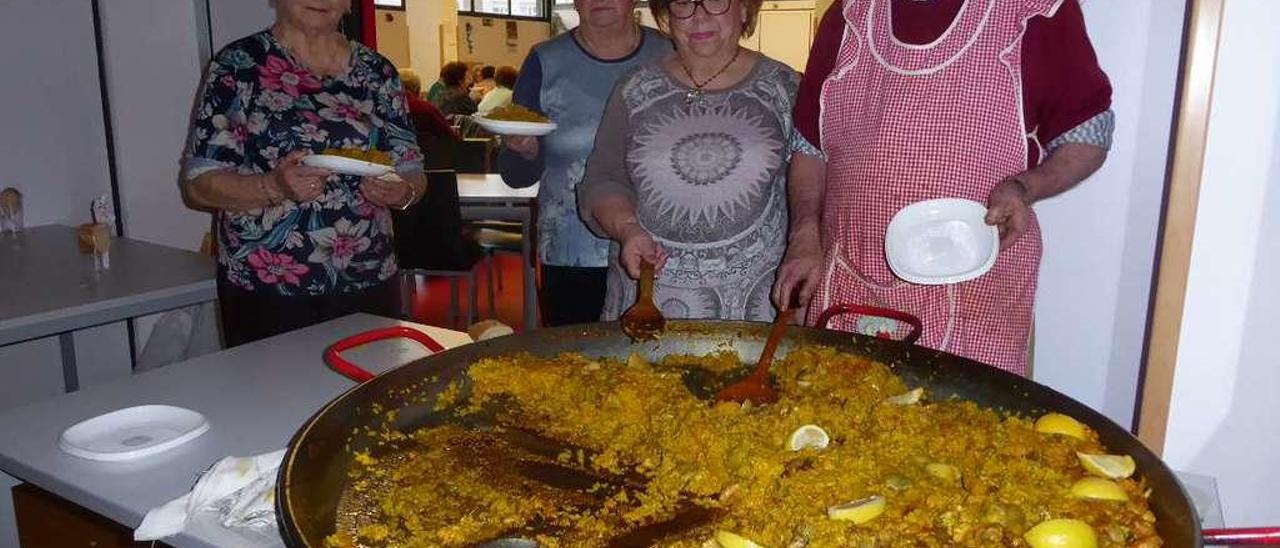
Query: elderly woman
[(454, 99), (998, 102), (296, 244), (690, 164), (568, 78)]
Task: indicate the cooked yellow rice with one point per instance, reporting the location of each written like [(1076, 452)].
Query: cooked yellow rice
[(444, 487)]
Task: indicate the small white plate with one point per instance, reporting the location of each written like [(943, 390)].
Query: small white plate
[(346, 166), (132, 432), (942, 241), (505, 127)]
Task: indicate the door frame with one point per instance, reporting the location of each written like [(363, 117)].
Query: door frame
[(1182, 195)]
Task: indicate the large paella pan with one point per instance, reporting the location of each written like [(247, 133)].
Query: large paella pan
[(317, 468)]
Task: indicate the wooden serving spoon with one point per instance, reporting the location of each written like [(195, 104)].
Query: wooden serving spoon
[(643, 321), (755, 387)]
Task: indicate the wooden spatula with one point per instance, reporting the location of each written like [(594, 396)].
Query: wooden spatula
[(643, 321), (755, 387)]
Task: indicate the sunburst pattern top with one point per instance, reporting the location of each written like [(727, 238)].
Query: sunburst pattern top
[(708, 180)]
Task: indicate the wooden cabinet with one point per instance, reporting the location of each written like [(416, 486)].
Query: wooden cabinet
[(784, 31), (46, 520)]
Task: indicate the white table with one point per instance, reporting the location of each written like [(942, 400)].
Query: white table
[(47, 287), (486, 196), (255, 397)]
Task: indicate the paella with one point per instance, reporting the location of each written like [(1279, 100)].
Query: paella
[(628, 453)]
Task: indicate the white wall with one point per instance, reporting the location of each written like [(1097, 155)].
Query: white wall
[(425, 20), (1223, 417), (149, 114), (52, 146), (230, 20), (1100, 237)]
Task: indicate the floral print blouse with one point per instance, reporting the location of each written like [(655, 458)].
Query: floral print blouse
[(258, 104)]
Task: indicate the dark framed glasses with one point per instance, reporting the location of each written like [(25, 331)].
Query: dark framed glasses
[(684, 9)]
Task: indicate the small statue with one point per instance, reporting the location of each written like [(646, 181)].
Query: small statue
[(10, 211)]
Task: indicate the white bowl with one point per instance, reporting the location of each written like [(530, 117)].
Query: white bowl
[(346, 166), (942, 241), (508, 127), (132, 432)]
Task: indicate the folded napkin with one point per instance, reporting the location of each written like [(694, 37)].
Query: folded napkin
[(240, 489)]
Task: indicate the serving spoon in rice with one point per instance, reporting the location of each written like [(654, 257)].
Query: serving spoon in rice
[(755, 387)]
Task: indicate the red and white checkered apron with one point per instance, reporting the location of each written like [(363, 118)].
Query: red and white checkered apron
[(903, 123)]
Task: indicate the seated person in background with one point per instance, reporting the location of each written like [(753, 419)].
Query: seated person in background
[(500, 96), (425, 116), (483, 82), (454, 99)]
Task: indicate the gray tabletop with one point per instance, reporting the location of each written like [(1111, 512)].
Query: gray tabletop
[(254, 396), (47, 286)]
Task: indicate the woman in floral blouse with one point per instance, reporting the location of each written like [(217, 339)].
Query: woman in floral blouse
[(299, 245)]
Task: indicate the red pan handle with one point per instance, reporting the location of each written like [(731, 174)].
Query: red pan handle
[(1244, 535), (916, 327), (333, 355)]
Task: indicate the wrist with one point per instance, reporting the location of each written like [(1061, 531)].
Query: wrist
[(628, 229), (804, 232), (410, 198), (1026, 186), (269, 187)]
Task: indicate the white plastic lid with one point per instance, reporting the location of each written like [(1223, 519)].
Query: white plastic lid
[(942, 241), (132, 432)]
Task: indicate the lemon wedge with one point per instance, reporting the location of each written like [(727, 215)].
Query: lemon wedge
[(858, 511), (731, 540), (1108, 466), (909, 397), (1062, 533), (809, 436), (1057, 423), (1098, 488), (945, 472)]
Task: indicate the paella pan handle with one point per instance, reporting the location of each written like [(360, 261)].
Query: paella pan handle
[(840, 309), (1246, 535), (333, 355)]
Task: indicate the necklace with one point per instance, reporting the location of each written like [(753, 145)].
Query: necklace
[(695, 94)]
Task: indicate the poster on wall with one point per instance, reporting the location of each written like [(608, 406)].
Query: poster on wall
[(513, 35)]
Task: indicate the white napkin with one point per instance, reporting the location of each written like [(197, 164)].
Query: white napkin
[(240, 489)]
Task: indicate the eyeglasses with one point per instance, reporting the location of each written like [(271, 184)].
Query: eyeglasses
[(684, 9)]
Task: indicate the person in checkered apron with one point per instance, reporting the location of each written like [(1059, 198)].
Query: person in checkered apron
[(998, 101)]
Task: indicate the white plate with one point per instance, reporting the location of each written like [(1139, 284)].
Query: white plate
[(504, 127), (943, 241), (132, 432), (346, 166)]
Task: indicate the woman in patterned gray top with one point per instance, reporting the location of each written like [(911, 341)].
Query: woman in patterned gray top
[(689, 168)]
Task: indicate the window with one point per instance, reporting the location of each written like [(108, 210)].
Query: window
[(534, 9)]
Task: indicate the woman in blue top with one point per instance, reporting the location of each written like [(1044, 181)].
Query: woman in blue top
[(299, 245), (569, 78)]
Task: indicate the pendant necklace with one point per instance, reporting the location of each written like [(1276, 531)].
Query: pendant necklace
[(695, 94)]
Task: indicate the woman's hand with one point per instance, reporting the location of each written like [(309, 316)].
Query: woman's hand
[(1009, 208), (525, 146), (637, 245), (382, 193), (296, 181), (798, 273)]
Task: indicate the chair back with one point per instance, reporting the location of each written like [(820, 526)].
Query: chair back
[(429, 235)]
